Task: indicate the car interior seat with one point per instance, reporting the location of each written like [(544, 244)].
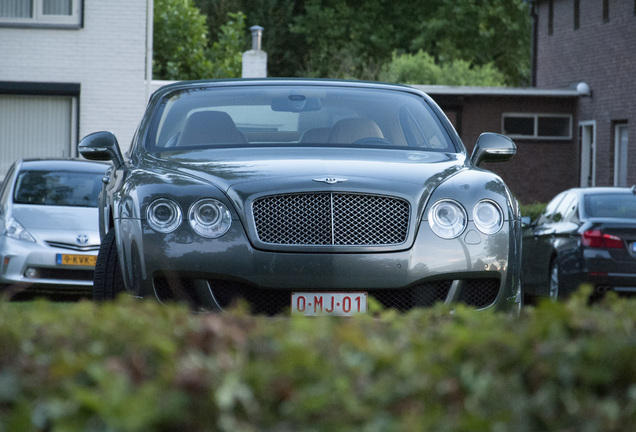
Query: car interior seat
[(315, 136), (350, 130), (210, 127)]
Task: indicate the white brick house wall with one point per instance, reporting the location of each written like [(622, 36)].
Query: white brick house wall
[(106, 56)]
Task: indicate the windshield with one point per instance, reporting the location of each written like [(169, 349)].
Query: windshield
[(58, 188), (296, 115), (611, 205)]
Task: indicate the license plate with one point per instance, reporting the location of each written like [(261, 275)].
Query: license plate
[(320, 303), (76, 260)]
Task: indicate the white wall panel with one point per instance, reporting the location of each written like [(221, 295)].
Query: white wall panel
[(106, 56), (35, 127)]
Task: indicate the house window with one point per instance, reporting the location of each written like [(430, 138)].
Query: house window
[(587, 144), (621, 154), (537, 126), (49, 13)]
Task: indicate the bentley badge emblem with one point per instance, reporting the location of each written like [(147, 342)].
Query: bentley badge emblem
[(330, 180)]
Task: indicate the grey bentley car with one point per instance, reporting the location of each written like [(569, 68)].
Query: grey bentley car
[(309, 197)]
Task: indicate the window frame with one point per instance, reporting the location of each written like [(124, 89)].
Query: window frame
[(536, 116), (39, 19), (621, 153)]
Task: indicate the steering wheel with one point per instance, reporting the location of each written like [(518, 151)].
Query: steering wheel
[(372, 140)]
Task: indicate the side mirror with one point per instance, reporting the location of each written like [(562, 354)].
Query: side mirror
[(493, 147), (526, 222), (101, 146)]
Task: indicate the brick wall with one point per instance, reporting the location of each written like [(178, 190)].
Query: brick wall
[(106, 57), (540, 169), (602, 54)]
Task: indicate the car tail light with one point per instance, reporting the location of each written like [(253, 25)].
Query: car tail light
[(597, 239)]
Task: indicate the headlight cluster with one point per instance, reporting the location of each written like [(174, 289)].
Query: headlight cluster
[(208, 217), (448, 218), (15, 230)]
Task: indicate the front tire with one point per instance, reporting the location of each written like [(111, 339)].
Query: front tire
[(108, 281)]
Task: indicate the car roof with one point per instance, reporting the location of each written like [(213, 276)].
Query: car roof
[(211, 83), (604, 190)]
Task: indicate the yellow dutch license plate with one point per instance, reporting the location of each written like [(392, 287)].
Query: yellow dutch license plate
[(76, 260)]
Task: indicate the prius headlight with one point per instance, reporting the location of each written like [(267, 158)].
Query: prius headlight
[(488, 217), (15, 230), (164, 215), (447, 218), (209, 218)]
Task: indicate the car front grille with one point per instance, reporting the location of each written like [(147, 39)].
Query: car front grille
[(71, 246), (64, 274), (337, 219), (478, 293)]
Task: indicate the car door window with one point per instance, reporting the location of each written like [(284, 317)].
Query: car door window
[(550, 210), (565, 209)]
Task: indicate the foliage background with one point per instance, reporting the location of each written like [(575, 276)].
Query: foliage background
[(141, 366), (355, 38)]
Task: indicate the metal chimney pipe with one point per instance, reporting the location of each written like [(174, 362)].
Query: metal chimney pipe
[(257, 34)]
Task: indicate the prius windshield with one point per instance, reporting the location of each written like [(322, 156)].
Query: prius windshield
[(58, 188), (244, 116)]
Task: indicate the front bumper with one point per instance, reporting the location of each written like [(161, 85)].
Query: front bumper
[(473, 268), (602, 270), (33, 266)]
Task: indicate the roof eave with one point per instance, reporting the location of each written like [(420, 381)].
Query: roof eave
[(496, 91)]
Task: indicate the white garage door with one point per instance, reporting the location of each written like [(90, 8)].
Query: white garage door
[(36, 127)]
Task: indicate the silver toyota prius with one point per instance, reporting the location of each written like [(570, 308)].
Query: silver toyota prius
[(48, 223), (311, 197)]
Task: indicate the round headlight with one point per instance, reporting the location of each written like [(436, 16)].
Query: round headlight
[(488, 217), (447, 219), (210, 218), (164, 215)]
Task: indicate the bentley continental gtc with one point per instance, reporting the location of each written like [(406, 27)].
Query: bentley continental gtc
[(309, 197)]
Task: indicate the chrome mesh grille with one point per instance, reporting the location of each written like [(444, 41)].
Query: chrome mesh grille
[(339, 219)]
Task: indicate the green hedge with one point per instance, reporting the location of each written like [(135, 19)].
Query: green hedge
[(139, 366), (532, 210)]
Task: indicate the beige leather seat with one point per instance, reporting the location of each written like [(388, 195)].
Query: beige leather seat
[(350, 130), (210, 127), (315, 136)]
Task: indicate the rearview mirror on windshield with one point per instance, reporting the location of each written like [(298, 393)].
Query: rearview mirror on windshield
[(296, 103)]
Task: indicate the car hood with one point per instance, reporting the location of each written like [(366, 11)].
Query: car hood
[(59, 224), (55, 218), (244, 172)]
